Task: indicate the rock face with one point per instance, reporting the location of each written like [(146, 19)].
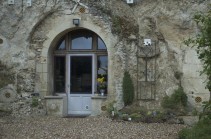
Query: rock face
[(27, 35)]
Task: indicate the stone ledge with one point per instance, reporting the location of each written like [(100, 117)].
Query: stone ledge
[(53, 97), (97, 103), (190, 120), (56, 105), (98, 97)]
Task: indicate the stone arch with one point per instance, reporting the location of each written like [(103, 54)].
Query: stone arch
[(54, 35), (66, 26)]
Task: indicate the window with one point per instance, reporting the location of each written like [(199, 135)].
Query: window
[(61, 45), (100, 44), (102, 68), (81, 42), (81, 74), (59, 74)]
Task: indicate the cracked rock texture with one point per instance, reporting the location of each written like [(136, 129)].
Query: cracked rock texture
[(24, 30)]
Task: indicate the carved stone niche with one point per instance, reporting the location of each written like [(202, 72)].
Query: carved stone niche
[(7, 95)]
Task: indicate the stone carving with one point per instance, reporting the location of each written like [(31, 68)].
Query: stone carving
[(78, 3), (7, 94)]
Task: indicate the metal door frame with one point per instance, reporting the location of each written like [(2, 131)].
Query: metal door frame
[(68, 76)]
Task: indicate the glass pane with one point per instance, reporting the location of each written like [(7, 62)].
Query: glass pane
[(100, 44), (81, 74), (81, 40), (61, 45), (59, 74), (102, 74)]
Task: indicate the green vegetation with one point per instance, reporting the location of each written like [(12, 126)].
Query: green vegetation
[(34, 102), (202, 129), (110, 107), (141, 114), (5, 75), (206, 110), (195, 112), (124, 26), (136, 116), (146, 117), (202, 43), (128, 89), (176, 102)]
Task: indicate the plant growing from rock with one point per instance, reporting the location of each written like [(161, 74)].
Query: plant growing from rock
[(110, 107), (128, 89), (177, 101), (202, 43), (137, 117), (124, 26), (199, 131), (202, 128), (34, 102), (206, 113)]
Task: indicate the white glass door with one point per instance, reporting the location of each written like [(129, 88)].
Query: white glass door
[(80, 83)]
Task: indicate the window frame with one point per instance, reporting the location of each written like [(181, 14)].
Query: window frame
[(97, 52)]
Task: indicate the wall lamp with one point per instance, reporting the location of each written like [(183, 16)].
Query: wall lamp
[(76, 22)]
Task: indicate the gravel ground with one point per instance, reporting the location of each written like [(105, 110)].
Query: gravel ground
[(83, 128)]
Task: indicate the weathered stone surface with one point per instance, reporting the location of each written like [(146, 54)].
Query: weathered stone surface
[(29, 33), (55, 105), (7, 94), (28, 107), (190, 120)]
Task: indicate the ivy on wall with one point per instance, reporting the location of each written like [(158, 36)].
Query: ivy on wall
[(124, 27), (6, 77)]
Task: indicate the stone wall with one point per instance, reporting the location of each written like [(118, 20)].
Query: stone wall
[(27, 34)]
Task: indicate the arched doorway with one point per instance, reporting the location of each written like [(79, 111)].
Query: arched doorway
[(79, 59)]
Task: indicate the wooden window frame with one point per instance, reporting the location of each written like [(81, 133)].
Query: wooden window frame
[(95, 51)]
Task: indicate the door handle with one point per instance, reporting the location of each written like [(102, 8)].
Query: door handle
[(68, 86)]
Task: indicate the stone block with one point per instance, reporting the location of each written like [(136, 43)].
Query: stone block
[(43, 60), (97, 102), (44, 77), (194, 85), (56, 105), (191, 57), (38, 67), (190, 120), (7, 95), (45, 50), (43, 94), (45, 67), (44, 87), (191, 70)]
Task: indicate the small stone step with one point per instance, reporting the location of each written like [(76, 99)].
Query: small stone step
[(190, 120)]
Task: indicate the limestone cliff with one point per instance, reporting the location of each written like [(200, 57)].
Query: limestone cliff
[(24, 30)]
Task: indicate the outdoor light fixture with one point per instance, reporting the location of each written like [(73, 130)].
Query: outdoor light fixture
[(76, 22)]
